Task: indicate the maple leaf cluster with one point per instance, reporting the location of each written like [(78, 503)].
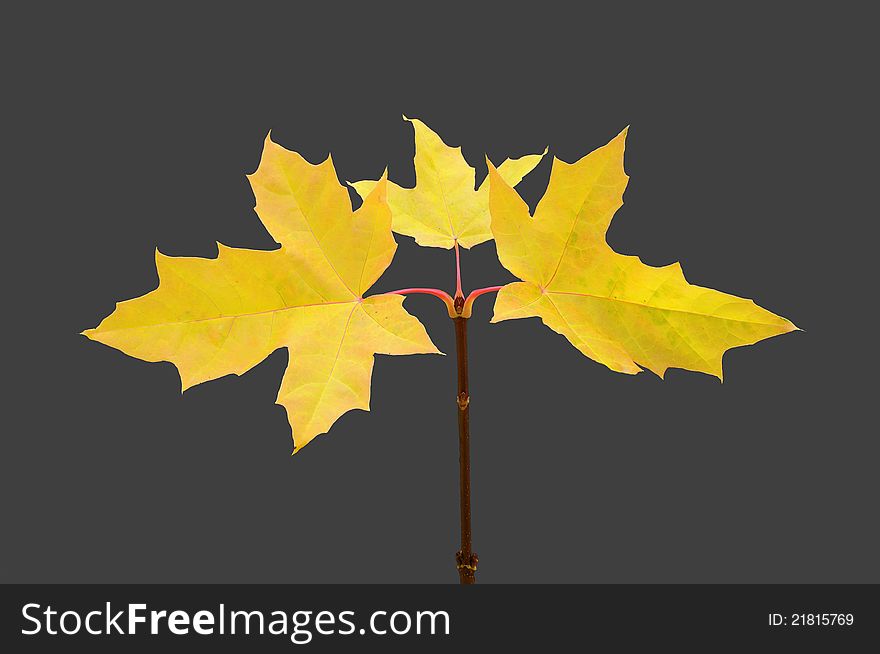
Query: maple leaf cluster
[(214, 317)]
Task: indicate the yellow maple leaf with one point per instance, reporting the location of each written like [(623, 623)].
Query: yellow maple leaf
[(444, 208), (613, 308), (213, 317)]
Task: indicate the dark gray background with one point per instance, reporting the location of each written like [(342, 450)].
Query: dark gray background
[(137, 130)]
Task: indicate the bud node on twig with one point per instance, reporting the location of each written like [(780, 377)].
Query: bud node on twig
[(469, 564)]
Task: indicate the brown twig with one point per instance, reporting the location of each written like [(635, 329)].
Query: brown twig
[(465, 559)]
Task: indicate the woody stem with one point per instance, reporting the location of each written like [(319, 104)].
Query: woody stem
[(459, 309), (466, 560)]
